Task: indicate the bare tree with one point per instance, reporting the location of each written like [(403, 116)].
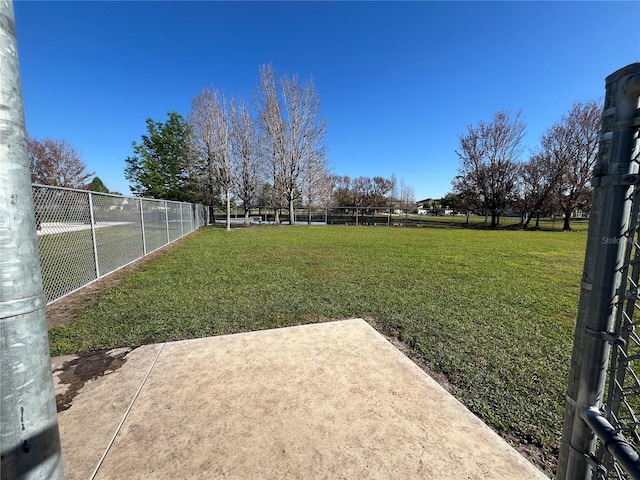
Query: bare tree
[(572, 146), (272, 139), (58, 163), (489, 155), (383, 189), (394, 192), (362, 188), (315, 181), (290, 119), (407, 195), (244, 153), (342, 194), (539, 177), (202, 143), (372, 191), (212, 139), (542, 175), (198, 174), (306, 133)]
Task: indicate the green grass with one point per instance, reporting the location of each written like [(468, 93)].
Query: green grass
[(494, 311)]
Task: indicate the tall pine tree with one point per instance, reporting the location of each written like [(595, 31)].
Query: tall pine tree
[(160, 164)]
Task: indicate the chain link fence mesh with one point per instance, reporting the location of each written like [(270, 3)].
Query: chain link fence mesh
[(83, 235), (154, 215), (622, 395)]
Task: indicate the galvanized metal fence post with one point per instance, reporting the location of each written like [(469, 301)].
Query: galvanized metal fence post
[(614, 176), (144, 239), (93, 236), (166, 219), (29, 439), (181, 222)]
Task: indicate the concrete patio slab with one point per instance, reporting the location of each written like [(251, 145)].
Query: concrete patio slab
[(88, 426), (324, 401)]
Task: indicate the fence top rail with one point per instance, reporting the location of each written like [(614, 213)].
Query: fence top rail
[(80, 190)]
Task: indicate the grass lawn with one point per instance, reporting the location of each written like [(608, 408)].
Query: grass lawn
[(494, 311)]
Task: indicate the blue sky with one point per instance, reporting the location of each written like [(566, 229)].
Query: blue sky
[(399, 81)]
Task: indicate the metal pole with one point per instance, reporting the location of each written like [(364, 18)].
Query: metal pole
[(166, 219), (181, 221), (613, 175), (144, 238), (93, 237), (29, 439)]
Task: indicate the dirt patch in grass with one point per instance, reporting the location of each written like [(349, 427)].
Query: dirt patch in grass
[(67, 309), (548, 464)]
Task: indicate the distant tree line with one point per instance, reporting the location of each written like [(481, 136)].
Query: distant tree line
[(226, 153), (223, 152), (494, 176), (274, 154), (374, 191)]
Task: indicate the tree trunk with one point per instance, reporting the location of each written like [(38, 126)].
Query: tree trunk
[(292, 213), (529, 215), (494, 215), (228, 195), (538, 221), (276, 215), (247, 221), (468, 214), (309, 217), (567, 222)]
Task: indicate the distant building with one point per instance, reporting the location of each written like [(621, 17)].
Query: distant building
[(426, 206)]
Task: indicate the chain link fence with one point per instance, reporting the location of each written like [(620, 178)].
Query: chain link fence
[(601, 434), (83, 236), (621, 404)]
